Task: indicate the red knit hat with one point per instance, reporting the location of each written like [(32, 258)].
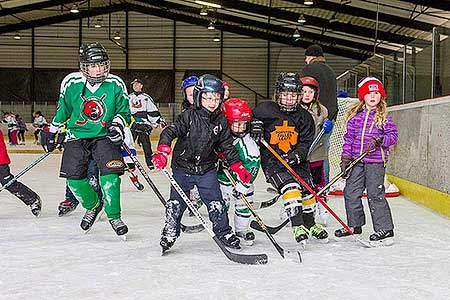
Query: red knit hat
[(370, 84)]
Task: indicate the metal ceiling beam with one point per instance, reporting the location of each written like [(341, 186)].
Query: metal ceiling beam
[(439, 4), (277, 29), (168, 14), (62, 18), (34, 6), (316, 21), (369, 14)]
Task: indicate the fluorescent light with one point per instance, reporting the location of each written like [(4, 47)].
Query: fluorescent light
[(117, 36), (204, 11), (308, 2), (208, 4), (216, 38), (74, 9), (211, 26), (301, 19), (296, 33), (98, 23), (17, 36)]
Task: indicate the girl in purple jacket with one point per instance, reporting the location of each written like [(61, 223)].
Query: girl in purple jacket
[(369, 128)]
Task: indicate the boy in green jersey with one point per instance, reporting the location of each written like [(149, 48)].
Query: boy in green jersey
[(239, 114), (94, 104)]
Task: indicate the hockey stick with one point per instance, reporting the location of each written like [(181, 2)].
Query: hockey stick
[(315, 142), (280, 250), (274, 230), (248, 259), (21, 173), (184, 228), (287, 166), (265, 204)]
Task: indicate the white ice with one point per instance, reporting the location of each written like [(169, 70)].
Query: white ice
[(51, 258)]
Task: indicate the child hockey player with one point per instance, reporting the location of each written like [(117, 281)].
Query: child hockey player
[(94, 103), (310, 102), (369, 128), (18, 189), (239, 114), (146, 117), (290, 129), (187, 89), (200, 132)]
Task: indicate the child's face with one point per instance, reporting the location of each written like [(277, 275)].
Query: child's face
[(238, 127), (289, 98), (189, 91), (372, 99), (226, 94), (96, 70), (211, 100), (137, 87), (308, 94)]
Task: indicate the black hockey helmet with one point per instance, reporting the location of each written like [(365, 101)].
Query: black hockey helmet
[(288, 82), (207, 83), (93, 54)]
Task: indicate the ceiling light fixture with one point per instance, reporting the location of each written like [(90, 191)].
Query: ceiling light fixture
[(296, 33), (301, 19), (216, 38), (17, 36), (211, 26), (204, 11), (117, 35), (308, 2), (74, 9), (208, 4), (98, 24)]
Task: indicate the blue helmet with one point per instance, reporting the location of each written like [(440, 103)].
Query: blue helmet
[(207, 83), (189, 81)]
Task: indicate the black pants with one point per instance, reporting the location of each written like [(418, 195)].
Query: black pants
[(144, 140), (21, 135), (78, 153), (18, 189)]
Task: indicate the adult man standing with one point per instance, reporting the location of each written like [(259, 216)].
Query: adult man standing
[(146, 117), (317, 68)]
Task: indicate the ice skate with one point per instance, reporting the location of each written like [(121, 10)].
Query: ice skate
[(319, 233), (300, 235), (36, 207), (120, 228), (247, 236), (136, 183), (66, 207), (342, 234), (231, 241), (150, 166), (90, 216), (382, 238), (166, 243)]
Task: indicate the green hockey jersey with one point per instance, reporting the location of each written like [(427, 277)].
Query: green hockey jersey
[(86, 109), (249, 155)]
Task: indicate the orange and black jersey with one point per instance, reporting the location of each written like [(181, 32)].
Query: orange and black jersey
[(285, 132)]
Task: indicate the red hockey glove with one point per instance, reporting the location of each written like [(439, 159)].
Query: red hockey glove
[(160, 158), (243, 174)]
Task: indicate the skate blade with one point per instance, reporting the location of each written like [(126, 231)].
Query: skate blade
[(320, 241), (383, 243), (302, 245), (293, 255), (247, 242), (123, 237), (348, 238)]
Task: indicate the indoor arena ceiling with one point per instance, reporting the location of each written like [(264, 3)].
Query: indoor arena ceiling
[(349, 28)]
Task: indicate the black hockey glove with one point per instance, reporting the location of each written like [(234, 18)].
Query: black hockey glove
[(257, 130), (60, 140), (345, 161), (48, 140), (115, 132), (292, 158)]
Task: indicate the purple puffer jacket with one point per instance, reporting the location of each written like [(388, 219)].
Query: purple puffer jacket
[(360, 129)]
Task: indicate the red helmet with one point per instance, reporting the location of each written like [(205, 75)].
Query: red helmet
[(235, 109), (312, 82)]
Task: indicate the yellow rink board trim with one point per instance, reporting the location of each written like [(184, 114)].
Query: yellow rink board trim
[(428, 197)]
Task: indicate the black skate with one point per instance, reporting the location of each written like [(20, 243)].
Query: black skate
[(300, 234), (319, 233), (166, 243), (247, 236), (151, 166), (382, 238), (137, 184), (119, 227), (231, 241), (66, 207), (36, 207), (341, 233), (90, 216)]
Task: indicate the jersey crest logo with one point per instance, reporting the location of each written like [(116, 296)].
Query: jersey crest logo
[(136, 103), (284, 136), (92, 110)]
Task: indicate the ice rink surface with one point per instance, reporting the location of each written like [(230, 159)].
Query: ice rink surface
[(51, 258)]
